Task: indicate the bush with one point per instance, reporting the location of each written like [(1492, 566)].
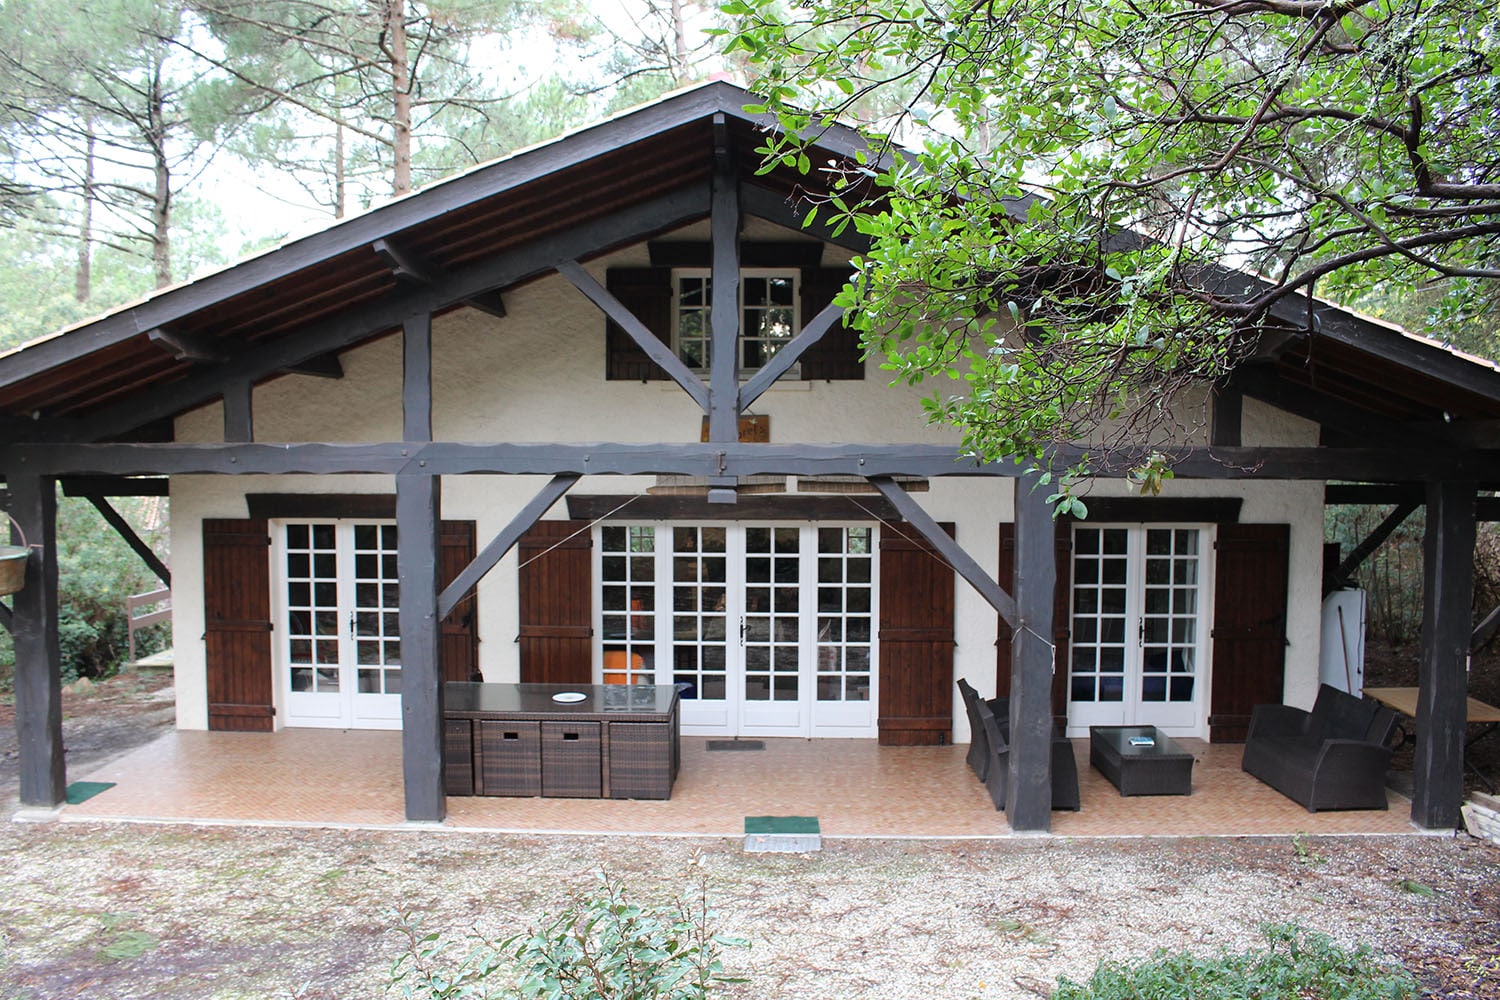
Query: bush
[(1298, 965), (603, 946)]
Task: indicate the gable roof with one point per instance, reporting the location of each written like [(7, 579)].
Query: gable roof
[(607, 185)]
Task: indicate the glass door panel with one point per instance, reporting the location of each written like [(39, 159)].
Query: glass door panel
[(1138, 634), (340, 629), (771, 632), (700, 620), (845, 664)]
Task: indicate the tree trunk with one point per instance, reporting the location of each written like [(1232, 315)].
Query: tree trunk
[(338, 171), (161, 206), (83, 279), (395, 13), (679, 44)]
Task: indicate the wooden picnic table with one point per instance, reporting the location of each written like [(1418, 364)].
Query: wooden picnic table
[(1404, 700)]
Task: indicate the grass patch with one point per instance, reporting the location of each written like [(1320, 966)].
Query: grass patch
[(1297, 965)]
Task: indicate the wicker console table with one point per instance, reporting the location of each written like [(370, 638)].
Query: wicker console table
[(616, 742), (1159, 768)]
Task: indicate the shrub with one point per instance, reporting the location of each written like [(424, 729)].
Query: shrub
[(603, 946), (1298, 965)]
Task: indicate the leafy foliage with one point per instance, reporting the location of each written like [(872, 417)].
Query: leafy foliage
[(1052, 253), (602, 946), (1297, 965)]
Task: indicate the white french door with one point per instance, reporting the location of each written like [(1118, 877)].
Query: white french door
[(338, 615), (769, 628), (1139, 643)]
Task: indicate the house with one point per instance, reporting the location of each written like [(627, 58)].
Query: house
[(476, 432)]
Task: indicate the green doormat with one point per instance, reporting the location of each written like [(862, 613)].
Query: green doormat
[(783, 833), (82, 791)]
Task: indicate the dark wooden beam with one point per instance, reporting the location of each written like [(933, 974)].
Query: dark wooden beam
[(418, 512), (257, 361), (1485, 631), (963, 563), (711, 459), (187, 347), (1366, 548), (755, 507), (37, 680), (374, 506), (115, 486), (1228, 413), (1486, 509), (644, 338), (1301, 401), (322, 366), (789, 354), (503, 543), (724, 296), (239, 411), (137, 544), (753, 253), (416, 378), (412, 269), (1443, 677), (1028, 793), (5, 616), (1160, 510)]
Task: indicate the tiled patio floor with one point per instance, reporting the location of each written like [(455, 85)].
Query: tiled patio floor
[(855, 788)]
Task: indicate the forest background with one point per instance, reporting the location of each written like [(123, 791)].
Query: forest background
[(144, 143)]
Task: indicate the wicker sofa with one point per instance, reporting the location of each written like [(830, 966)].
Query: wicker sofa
[(1334, 757)]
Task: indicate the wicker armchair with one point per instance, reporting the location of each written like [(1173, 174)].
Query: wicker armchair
[(979, 744), (1334, 757), (997, 776)]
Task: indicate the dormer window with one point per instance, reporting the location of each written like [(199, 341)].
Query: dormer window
[(769, 315)]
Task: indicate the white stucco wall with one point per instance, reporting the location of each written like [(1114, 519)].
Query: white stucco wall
[(538, 375)]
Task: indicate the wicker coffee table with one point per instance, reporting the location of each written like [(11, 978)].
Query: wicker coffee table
[(1138, 768)]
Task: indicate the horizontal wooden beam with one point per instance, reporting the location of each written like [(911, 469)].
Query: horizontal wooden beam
[(752, 507), (712, 459), (114, 486), (1387, 494)]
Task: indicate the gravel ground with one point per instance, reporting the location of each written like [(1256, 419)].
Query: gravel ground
[(177, 912), (123, 911)]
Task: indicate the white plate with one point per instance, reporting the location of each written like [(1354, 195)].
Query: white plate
[(568, 697)]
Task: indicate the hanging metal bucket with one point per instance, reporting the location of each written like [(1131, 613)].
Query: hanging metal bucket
[(13, 564)]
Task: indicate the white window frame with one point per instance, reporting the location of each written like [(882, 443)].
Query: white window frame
[(679, 273)]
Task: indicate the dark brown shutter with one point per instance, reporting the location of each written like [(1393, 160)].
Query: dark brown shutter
[(1062, 609), (916, 640), (837, 354), (1250, 595), (556, 636), (459, 649), (237, 624), (646, 292)]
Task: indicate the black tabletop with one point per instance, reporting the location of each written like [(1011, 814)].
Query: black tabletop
[(612, 701)]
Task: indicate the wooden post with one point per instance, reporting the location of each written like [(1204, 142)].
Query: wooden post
[(418, 511), (416, 378), (38, 684), (239, 411), (1028, 797), (724, 310), (1443, 678)]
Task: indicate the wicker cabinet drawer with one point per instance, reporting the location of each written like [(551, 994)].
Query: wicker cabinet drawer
[(570, 760), (510, 758), (458, 757), (640, 760)]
